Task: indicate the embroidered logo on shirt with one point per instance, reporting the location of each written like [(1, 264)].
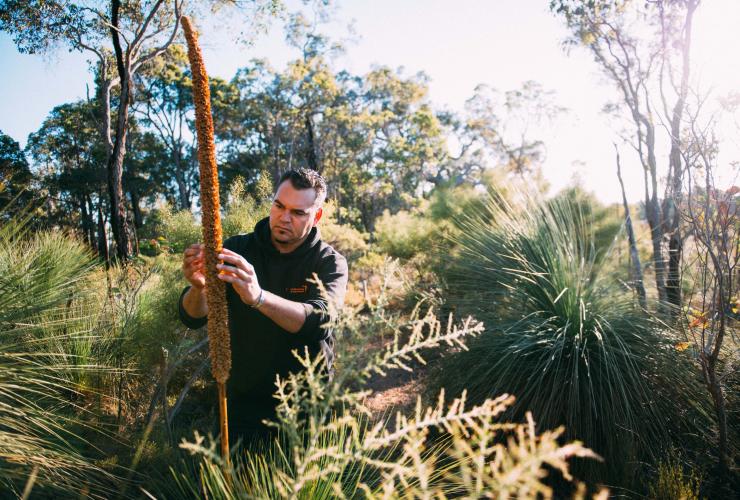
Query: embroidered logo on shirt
[(298, 289)]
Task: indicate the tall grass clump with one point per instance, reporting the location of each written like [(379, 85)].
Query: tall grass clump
[(45, 351), (562, 337)]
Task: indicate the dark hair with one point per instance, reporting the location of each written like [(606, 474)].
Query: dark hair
[(305, 178)]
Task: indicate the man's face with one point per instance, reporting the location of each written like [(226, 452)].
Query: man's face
[(293, 214)]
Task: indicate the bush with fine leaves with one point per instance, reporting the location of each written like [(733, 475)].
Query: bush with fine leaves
[(403, 234), (327, 448)]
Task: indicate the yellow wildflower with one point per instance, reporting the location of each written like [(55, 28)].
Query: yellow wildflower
[(682, 346)]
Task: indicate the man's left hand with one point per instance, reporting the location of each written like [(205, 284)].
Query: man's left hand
[(236, 270)]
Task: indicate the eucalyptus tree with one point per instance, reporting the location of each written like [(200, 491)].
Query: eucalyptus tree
[(375, 137), (69, 160), (15, 177), (644, 48), (123, 37), (166, 106), (499, 129), (147, 173), (403, 140)]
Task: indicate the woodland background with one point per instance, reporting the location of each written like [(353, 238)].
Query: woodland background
[(617, 322)]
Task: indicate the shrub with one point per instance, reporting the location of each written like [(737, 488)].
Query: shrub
[(171, 231), (605, 223), (153, 321), (403, 234), (561, 337), (451, 203), (243, 210), (180, 229), (671, 482), (344, 238), (325, 450)]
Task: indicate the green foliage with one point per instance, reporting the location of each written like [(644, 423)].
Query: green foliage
[(243, 211), (606, 223), (15, 176), (180, 229), (376, 139), (344, 238), (561, 337), (154, 323), (67, 145), (452, 203), (171, 231), (46, 336), (38, 272), (404, 234), (254, 470), (166, 93), (326, 450), (672, 482)]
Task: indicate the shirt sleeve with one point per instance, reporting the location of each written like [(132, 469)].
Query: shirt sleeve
[(188, 320), (333, 273)]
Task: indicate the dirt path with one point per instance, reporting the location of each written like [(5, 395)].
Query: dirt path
[(395, 391)]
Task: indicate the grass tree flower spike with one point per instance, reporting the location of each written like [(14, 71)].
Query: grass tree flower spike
[(218, 327)]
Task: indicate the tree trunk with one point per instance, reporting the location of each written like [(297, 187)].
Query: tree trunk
[(136, 208), (115, 182), (312, 159), (654, 214), (91, 221), (87, 221), (115, 160), (182, 190), (636, 270), (102, 236)]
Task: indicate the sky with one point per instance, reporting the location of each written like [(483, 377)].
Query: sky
[(459, 45)]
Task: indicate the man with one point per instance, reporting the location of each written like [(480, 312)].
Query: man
[(273, 309)]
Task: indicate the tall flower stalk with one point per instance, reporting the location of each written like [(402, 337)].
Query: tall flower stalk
[(218, 326)]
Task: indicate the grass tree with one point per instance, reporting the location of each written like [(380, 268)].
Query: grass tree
[(45, 337), (561, 336)]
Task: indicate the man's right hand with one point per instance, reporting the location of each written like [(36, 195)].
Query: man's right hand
[(193, 266)]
